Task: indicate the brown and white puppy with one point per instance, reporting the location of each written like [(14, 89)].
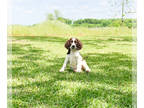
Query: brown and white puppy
[(73, 56)]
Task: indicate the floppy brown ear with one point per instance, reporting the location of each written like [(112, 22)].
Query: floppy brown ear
[(67, 44), (78, 44)]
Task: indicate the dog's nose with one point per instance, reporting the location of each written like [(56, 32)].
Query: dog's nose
[(73, 46)]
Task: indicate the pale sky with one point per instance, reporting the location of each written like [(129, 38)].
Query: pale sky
[(28, 12)]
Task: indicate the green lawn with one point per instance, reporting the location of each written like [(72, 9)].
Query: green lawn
[(37, 83)]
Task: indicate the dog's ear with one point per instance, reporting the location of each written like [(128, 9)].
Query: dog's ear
[(78, 44), (68, 44)]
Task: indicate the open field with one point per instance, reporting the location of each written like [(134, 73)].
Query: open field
[(56, 28), (36, 82)]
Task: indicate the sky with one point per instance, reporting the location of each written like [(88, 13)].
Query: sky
[(28, 12)]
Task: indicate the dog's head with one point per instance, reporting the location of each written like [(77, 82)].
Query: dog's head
[(73, 44)]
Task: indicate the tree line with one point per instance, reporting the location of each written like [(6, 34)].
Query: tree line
[(90, 22)]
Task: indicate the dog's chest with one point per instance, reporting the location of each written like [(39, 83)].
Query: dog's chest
[(73, 61)]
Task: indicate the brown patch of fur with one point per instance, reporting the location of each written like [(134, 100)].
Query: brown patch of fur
[(83, 68), (78, 44), (68, 44)]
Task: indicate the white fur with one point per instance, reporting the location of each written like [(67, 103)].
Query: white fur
[(75, 60)]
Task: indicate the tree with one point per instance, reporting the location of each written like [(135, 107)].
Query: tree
[(123, 6), (122, 11), (57, 14), (64, 20), (50, 17)]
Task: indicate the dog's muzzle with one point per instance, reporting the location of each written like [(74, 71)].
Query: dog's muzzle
[(73, 46)]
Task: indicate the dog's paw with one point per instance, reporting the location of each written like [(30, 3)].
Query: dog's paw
[(61, 70), (77, 70)]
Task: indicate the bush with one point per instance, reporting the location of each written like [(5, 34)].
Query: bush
[(64, 20), (103, 22)]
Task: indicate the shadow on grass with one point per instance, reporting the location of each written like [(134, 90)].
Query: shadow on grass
[(40, 38), (97, 42), (113, 69), (62, 39), (20, 49)]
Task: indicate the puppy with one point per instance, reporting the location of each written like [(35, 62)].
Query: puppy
[(77, 64)]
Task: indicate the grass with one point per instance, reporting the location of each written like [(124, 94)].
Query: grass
[(35, 80)]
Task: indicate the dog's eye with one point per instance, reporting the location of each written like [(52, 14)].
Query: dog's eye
[(75, 41)]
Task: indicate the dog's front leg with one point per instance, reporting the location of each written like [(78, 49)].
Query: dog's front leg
[(79, 65), (65, 63)]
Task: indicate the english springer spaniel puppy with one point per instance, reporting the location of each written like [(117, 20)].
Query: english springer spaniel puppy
[(77, 64)]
